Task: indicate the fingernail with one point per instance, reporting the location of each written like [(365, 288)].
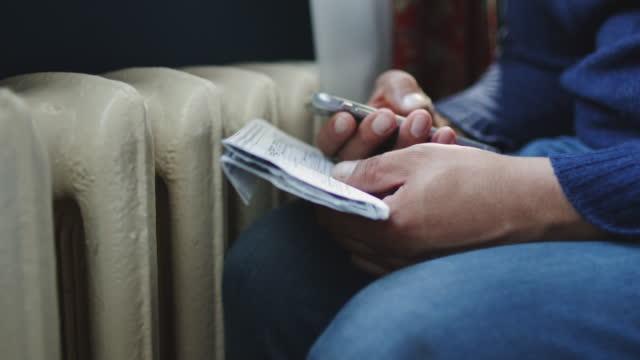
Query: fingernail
[(419, 125), (341, 124), (382, 123), (415, 101), (343, 170), (445, 135)]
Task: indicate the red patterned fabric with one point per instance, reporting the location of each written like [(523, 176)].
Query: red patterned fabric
[(445, 44)]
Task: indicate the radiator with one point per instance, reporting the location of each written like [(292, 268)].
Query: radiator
[(115, 214)]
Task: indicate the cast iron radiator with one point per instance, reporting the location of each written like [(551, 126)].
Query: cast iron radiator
[(115, 215)]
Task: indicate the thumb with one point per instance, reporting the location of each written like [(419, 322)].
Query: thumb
[(402, 91), (378, 174)]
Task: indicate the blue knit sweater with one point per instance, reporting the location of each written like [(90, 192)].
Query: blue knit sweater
[(568, 67)]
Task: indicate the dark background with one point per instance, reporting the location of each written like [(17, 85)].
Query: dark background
[(94, 37)]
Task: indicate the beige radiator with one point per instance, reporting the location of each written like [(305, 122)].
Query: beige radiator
[(29, 301), (119, 255)]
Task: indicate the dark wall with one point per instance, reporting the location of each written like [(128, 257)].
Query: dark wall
[(93, 37)]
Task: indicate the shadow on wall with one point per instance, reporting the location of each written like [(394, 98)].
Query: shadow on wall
[(95, 37)]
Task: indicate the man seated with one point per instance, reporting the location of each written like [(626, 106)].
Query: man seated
[(522, 255)]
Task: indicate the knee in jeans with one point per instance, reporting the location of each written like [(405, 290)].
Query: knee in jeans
[(368, 330), (366, 340), (387, 320)]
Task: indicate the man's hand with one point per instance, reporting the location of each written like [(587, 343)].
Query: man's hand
[(447, 198), (396, 92)]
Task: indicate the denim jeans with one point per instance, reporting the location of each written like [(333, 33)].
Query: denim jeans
[(290, 291)]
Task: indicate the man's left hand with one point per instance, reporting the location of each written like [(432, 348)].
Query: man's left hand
[(444, 198)]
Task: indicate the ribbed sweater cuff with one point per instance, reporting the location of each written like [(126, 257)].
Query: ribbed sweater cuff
[(604, 186)]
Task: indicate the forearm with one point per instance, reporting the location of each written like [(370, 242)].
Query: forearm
[(540, 209)]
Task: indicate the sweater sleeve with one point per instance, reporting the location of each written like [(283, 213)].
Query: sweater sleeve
[(604, 186), (513, 102), (606, 86)]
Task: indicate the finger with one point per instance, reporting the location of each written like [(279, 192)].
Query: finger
[(444, 135), (401, 92), (354, 246), (335, 132), (384, 259), (378, 174), (368, 266), (363, 250), (355, 228), (377, 99), (415, 129), (359, 235), (395, 263), (372, 132), (379, 265)]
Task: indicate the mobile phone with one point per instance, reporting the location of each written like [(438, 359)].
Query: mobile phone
[(327, 105)]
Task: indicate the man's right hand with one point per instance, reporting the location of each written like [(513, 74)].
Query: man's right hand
[(395, 92)]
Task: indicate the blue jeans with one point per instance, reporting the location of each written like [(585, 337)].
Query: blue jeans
[(291, 292)]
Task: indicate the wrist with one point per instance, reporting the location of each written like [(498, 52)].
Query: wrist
[(541, 209)]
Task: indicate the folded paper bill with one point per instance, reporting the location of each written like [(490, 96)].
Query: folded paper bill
[(260, 150)]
